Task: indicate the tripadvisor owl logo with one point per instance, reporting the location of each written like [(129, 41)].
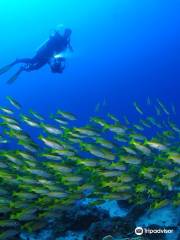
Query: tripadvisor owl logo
[(138, 230)]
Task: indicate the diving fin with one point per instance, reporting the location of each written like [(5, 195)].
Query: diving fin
[(5, 69), (15, 76)]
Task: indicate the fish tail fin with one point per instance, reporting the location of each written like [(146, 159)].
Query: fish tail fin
[(132, 142), (81, 145), (105, 127)]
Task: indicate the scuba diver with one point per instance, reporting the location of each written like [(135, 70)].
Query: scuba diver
[(48, 53)]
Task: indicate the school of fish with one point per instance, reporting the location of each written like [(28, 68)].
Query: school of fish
[(103, 160)]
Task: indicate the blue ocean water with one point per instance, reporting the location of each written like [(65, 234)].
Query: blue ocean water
[(124, 50)]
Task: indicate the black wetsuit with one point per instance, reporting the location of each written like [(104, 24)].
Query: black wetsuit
[(55, 44), (45, 55)]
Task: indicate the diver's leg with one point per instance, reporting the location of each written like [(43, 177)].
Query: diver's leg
[(24, 60), (28, 68), (20, 60), (6, 68), (15, 76)]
